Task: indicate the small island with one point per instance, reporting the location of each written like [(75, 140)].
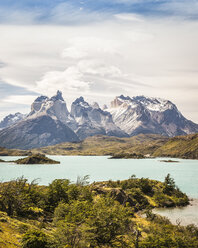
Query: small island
[(127, 156), (2, 161), (169, 161), (36, 159)]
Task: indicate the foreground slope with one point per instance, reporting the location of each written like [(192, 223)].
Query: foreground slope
[(100, 215)]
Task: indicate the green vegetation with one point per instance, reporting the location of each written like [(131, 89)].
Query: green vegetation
[(127, 156), (34, 239), (105, 145), (36, 159), (2, 161), (179, 147), (82, 215), (169, 161), (144, 145), (13, 152)]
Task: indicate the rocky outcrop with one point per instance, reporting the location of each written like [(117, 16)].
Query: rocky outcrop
[(117, 194)]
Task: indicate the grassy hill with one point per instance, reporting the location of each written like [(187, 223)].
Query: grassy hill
[(105, 145), (180, 147), (13, 152)]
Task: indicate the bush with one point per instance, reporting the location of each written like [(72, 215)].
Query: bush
[(34, 239)]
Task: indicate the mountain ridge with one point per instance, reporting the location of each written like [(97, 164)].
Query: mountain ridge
[(127, 117)]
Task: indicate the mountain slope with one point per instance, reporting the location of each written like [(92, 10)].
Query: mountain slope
[(47, 124), (36, 132), (149, 115), (92, 120), (126, 117), (181, 147)]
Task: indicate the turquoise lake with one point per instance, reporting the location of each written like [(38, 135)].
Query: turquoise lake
[(100, 168)]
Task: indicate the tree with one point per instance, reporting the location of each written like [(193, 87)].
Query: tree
[(17, 197), (109, 222), (169, 185), (57, 192)]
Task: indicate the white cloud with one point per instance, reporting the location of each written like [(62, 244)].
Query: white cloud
[(19, 99), (73, 53), (155, 57), (129, 17), (70, 81)]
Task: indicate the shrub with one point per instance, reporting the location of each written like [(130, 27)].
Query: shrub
[(34, 239)]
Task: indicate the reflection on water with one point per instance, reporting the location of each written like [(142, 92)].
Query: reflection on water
[(184, 216)]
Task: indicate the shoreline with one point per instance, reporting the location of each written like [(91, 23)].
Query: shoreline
[(181, 215)]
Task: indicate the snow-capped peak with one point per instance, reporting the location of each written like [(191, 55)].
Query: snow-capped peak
[(81, 102), (154, 104), (11, 120), (150, 103)]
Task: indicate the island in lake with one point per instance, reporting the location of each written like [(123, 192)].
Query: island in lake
[(36, 159), (128, 156), (169, 161)]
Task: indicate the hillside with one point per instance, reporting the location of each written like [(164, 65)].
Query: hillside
[(155, 145), (104, 145), (13, 152), (180, 147), (102, 214)]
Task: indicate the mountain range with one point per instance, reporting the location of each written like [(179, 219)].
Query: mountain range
[(50, 122)]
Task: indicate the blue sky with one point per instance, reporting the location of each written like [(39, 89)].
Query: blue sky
[(99, 49), (43, 11)]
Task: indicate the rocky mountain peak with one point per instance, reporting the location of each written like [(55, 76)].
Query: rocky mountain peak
[(11, 120), (154, 104), (57, 97), (95, 105), (127, 116), (104, 107), (80, 102), (41, 99)]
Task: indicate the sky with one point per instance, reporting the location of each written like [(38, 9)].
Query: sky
[(98, 49)]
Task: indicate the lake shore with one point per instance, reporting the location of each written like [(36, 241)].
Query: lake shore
[(181, 215)]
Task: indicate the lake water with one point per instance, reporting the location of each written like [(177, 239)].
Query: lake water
[(101, 168), (184, 216)]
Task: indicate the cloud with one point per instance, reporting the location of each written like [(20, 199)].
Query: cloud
[(70, 81), (127, 54), (20, 99), (73, 53)]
